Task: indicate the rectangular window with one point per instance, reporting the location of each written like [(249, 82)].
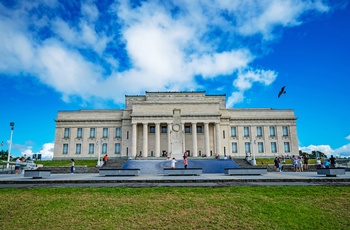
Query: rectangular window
[(247, 147), (272, 131), (199, 129), (152, 129), (233, 132), (259, 131), (127, 135), (246, 132), (234, 147), (273, 147), (285, 131), (118, 132), (286, 147), (187, 129), (79, 132), (91, 148), (223, 134), (104, 148), (65, 148), (66, 132), (260, 147), (92, 133), (117, 148), (164, 129), (78, 149), (105, 132)]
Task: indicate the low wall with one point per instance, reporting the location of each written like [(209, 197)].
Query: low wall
[(66, 169)]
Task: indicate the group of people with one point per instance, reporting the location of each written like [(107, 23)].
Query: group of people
[(301, 163), (328, 163), (185, 161)]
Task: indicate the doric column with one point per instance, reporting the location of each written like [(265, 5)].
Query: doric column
[(145, 140), (217, 135), (194, 139), (157, 153), (134, 139), (169, 138), (183, 137), (206, 137)]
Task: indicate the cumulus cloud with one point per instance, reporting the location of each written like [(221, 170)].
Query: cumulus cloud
[(347, 138), (245, 80), (343, 151), (152, 46), (46, 151)]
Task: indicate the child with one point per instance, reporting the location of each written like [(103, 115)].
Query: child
[(173, 161)]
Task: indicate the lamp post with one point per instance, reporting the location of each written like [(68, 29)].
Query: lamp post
[(12, 124), (99, 143), (254, 161)]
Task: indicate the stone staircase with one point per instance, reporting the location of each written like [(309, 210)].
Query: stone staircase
[(115, 163), (243, 163)]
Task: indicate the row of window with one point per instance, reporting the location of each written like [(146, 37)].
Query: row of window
[(260, 145), (92, 132), (259, 131), (92, 147), (234, 148), (164, 129)]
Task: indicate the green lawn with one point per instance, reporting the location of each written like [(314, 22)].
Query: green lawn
[(88, 163), (266, 161), (240, 207)]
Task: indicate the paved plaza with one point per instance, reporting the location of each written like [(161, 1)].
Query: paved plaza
[(161, 180)]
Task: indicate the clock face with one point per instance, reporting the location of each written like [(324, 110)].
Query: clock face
[(176, 127)]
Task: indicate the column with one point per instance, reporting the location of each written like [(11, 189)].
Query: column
[(157, 153), (169, 139), (183, 137), (134, 139), (206, 137), (217, 135), (145, 140), (194, 139)]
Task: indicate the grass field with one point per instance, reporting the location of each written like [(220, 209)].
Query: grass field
[(240, 207)]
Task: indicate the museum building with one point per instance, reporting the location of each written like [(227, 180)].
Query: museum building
[(160, 124)]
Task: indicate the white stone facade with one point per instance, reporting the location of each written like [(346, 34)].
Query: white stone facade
[(148, 127)]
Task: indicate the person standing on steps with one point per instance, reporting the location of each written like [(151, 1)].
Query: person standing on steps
[(185, 162), (105, 159), (173, 161)]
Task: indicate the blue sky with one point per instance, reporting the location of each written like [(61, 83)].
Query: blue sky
[(70, 55)]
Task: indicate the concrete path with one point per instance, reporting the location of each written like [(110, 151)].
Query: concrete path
[(160, 180)]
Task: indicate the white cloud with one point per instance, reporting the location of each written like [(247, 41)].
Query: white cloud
[(347, 138), (245, 81), (263, 17), (46, 151), (343, 151), (166, 45)]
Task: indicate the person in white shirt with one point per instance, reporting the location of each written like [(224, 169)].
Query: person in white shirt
[(173, 161)]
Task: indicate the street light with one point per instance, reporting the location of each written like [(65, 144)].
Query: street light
[(254, 161), (99, 143), (12, 124)]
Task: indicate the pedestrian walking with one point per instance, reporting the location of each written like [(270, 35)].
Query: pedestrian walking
[(72, 166)]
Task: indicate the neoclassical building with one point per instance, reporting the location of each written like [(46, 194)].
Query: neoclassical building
[(161, 124)]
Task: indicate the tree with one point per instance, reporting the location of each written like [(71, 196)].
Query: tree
[(3, 155)]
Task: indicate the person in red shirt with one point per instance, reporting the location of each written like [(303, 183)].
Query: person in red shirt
[(105, 159)]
